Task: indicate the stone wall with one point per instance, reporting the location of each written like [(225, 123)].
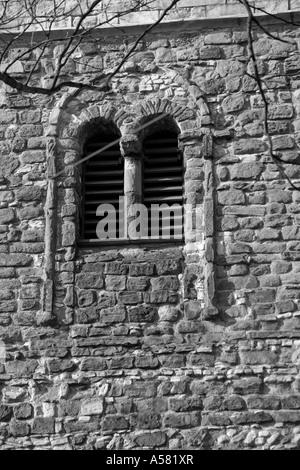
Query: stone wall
[(142, 13), (181, 346)]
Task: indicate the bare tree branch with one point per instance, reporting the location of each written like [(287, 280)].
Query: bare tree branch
[(70, 42), (257, 77), (273, 15)]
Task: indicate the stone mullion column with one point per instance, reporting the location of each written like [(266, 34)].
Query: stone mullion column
[(47, 316), (209, 224), (131, 149)]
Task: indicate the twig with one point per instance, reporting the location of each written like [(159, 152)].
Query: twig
[(276, 159)]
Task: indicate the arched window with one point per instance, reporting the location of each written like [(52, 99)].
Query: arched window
[(163, 184), (102, 181), (151, 174)]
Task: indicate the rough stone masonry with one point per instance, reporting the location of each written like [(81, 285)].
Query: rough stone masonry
[(193, 345)]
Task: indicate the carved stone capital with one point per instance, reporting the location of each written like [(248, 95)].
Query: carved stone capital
[(131, 146)]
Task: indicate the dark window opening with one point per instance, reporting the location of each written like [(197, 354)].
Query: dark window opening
[(103, 183), (163, 184)]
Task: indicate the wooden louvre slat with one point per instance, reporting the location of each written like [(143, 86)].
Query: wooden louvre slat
[(163, 179), (103, 182)]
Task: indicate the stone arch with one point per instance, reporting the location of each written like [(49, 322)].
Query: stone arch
[(69, 123)]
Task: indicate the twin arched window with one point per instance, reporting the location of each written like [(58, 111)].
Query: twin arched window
[(160, 192)]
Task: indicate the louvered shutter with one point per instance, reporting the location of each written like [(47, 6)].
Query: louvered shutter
[(163, 178), (103, 182)]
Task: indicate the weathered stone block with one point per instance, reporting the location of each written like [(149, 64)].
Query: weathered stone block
[(86, 298), (89, 281), (7, 216), (247, 386), (143, 313), (258, 357), (33, 248), (251, 223), (29, 193), (290, 278), (115, 283), (218, 38), (32, 236), (279, 195), (261, 402), (168, 266), (285, 416), (29, 213), (232, 197), (248, 146), (268, 234), (29, 292), (188, 54), (58, 366), (114, 423), (8, 306), (216, 419), (285, 306), (115, 314), (165, 282), (19, 429), (234, 403), (69, 408), (8, 117), (233, 103), (23, 411), (92, 407), (229, 223), (165, 55), (262, 296), (141, 390), (87, 315), (5, 412), (141, 269), (248, 171), (6, 197), (173, 361), (116, 268), (130, 298), (32, 116), (251, 417), (33, 156), (138, 284), (93, 364), (146, 420), (283, 111), (121, 362), (151, 440), (20, 369), (185, 404), (8, 164), (283, 142), (291, 232), (238, 247), (181, 420), (43, 426), (291, 402), (272, 49), (292, 64), (192, 309), (69, 210), (68, 233), (210, 52), (202, 359), (146, 361)]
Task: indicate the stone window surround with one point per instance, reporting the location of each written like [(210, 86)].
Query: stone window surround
[(63, 137), (131, 148)]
